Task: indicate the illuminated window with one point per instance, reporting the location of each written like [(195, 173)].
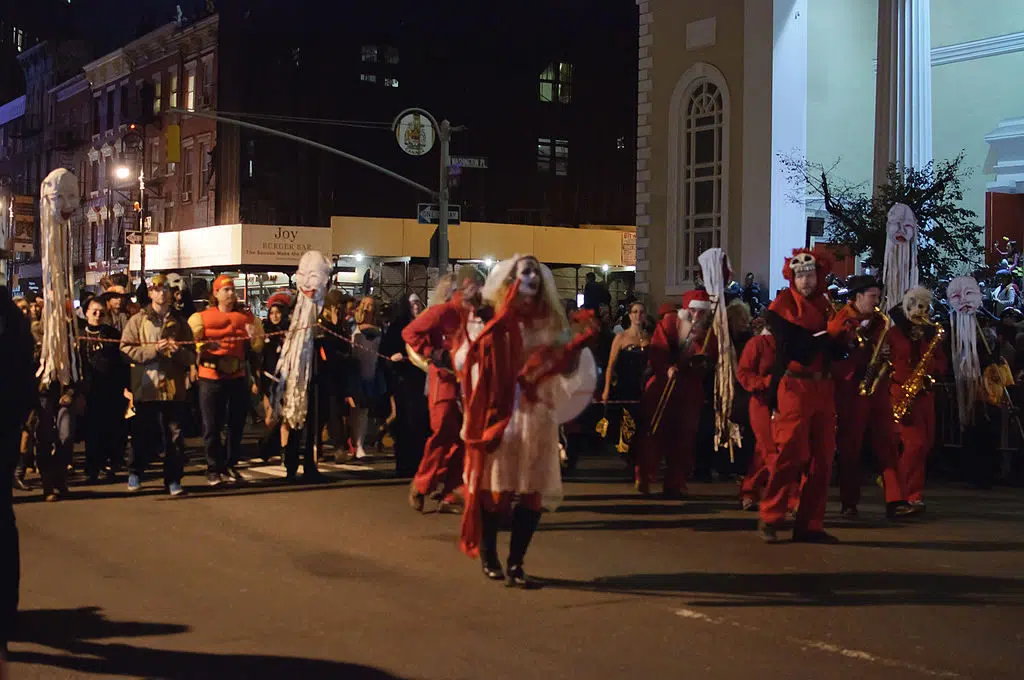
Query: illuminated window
[(190, 89), (188, 164), (620, 143), (391, 82), (369, 54), (172, 89), (18, 38), (553, 156), (556, 83), (390, 55), (158, 94), (367, 77)]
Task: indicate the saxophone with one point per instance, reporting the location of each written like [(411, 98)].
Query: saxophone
[(879, 365), (919, 380)]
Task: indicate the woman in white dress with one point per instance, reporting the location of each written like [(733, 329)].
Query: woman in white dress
[(525, 373)]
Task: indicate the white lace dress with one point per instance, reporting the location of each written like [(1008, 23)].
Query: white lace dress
[(527, 460)]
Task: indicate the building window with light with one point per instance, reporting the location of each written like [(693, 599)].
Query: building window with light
[(190, 89), (553, 156), (158, 94), (369, 54), (391, 82), (172, 89), (188, 165), (556, 83), (367, 77), (18, 38)]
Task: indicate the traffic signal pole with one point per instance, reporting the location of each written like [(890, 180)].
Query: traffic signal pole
[(445, 133)]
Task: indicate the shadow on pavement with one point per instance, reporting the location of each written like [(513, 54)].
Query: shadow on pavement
[(75, 633), (947, 546), (854, 589), (712, 524)]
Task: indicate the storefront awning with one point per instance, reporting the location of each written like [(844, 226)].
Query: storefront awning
[(232, 245)]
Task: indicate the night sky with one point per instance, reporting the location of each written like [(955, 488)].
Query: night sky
[(109, 24)]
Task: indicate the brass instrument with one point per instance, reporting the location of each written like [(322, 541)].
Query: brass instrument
[(919, 380), (879, 366), (417, 359)]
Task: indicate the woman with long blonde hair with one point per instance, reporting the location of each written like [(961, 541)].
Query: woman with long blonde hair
[(369, 384)]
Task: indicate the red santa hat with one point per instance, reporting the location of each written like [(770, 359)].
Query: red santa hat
[(666, 308), (696, 299), (279, 299)]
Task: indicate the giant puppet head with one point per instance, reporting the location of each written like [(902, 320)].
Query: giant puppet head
[(917, 305), (899, 268), (715, 269), (964, 298), (313, 275), (60, 191)]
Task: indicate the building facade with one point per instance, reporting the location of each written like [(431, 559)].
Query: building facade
[(730, 89)]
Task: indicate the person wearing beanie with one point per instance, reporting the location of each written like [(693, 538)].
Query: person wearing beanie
[(431, 339), (224, 331), (674, 395), (859, 414)]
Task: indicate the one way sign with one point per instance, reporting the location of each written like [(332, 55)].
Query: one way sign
[(430, 213)]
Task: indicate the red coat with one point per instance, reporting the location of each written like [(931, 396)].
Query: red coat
[(754, 369), (905, 354), (664, 350), (810, 313), (439, 327), (846, 321)]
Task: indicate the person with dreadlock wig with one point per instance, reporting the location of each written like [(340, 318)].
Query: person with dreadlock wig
[(801, 396), (525, 374), (909, 339), (865, 415), (431, 338)]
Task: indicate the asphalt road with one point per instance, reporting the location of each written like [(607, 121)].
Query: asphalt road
[(345, 581)]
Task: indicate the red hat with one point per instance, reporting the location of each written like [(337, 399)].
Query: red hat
[(696, 299), (666, 308), (222, 281), (803, 259), (282, 299)]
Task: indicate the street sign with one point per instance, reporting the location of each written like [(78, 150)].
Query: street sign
[(472, 162), (415, 133), (134, 238), (430, 213)]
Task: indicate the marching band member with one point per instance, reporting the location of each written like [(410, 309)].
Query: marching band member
[(674, 394), (917, 352), (432, 337), (754, 373), (862, 400), (802, 395)]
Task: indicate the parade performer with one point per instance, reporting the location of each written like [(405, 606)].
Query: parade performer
[(58, 362), (679, 355), (526, 373), (918, 357), (754, 373), (802, 397), (431, 338), (899, 266), (224, 332), (290, 398), (716, 272), (863, 402)]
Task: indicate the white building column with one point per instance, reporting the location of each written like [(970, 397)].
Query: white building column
[(774, 127), (903, 93)]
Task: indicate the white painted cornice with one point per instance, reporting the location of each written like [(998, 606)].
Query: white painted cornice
[(976, 49)]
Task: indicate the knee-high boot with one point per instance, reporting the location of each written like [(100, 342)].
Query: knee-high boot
[(524, 524), (489, 546)]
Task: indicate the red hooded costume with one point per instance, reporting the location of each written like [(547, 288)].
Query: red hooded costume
[(801, 395), (868, 415), (676, 434), (434, 335)]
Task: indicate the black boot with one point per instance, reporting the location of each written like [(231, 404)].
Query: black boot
[(489, 546), (524, 523)]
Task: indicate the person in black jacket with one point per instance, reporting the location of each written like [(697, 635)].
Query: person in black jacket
[(104, 379), (407, 384), (16, 400)]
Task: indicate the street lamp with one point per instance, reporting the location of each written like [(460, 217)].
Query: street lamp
[(122, 172)]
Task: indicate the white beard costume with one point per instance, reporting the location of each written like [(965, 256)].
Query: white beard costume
[(899, 269), (964, 298), (295, 366), (59, 198), (714, 264)]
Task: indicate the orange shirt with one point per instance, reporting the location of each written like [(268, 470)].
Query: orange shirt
[(226, 360)]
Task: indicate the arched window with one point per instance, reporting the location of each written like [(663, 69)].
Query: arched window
[(698, 173)]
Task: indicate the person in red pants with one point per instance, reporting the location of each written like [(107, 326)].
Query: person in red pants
[(679, 348), (802, 399), (433, 336), (909, 339), (870, 414)]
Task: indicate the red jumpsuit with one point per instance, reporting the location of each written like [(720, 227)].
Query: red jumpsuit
[(676, 436), (804, 424), (859, 416), (753, 371), (438, 329), (917, 431)]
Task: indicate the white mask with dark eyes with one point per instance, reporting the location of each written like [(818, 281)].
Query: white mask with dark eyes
[(528, 273)]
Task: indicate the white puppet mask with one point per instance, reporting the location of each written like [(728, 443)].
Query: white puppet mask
[(528, 273), (964, 295), (901, 225), (312, 276), (61, 188)]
